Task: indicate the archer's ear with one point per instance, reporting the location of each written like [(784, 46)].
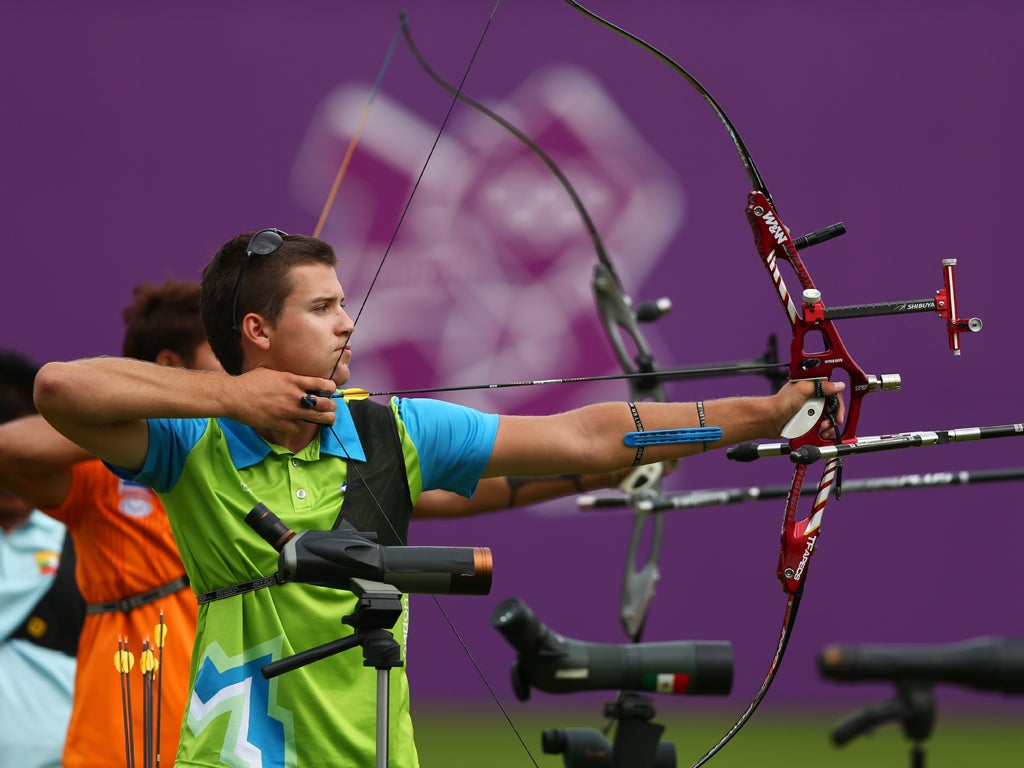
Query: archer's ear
[(256, 331), (169, 358)]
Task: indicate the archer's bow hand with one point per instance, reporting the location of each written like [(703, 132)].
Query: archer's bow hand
[(797, 394)]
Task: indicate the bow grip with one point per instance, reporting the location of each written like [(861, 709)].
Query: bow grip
[(809, 415)]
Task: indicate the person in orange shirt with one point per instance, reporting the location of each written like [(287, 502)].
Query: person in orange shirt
[(41, 609), (129, 569)]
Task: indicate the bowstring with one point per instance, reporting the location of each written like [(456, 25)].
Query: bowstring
[(350, 462), (430, 154)]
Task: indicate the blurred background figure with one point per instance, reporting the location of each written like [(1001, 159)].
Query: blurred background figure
[(41, 610), (129, 568)]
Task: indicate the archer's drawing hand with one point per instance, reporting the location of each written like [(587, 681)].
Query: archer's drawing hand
[(269, 399)]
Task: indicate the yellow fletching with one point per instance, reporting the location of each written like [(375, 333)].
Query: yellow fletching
[(159, 635), (124, 661), (147, 662), (354, 393)]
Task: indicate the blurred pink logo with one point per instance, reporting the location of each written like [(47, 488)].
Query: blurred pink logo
[(489, 278)]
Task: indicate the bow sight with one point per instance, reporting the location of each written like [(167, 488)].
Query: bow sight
[(944, 304)]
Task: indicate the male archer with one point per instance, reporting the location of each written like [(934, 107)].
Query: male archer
[(214, 445)]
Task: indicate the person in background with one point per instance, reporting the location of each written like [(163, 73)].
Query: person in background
[(129, 569), (270, 431), (41, 610)]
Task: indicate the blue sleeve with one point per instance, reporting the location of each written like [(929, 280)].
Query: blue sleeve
[(170, 442), (454, 443)]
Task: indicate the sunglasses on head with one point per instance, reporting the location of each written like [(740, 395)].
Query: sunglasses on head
[(263, 243)]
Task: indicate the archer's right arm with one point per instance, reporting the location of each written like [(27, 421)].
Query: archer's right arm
[(102, 403)]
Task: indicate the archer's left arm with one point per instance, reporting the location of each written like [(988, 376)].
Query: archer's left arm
[(590, 439)]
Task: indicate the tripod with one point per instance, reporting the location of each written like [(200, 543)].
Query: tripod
[(913, 707), (343, 558), (379, 606), (637, 739)]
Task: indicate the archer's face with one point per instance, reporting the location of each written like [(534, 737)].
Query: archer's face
[(313, 329)]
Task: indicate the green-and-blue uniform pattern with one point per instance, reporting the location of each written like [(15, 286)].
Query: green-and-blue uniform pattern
[(210, 473)]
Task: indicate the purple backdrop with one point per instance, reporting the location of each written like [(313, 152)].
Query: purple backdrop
[(137, 139)]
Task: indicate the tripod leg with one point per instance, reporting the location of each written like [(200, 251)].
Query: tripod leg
[(383, 702)]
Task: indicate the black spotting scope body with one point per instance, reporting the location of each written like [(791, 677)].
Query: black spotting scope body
[(555, 664), (333, 558), (985, 663)]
